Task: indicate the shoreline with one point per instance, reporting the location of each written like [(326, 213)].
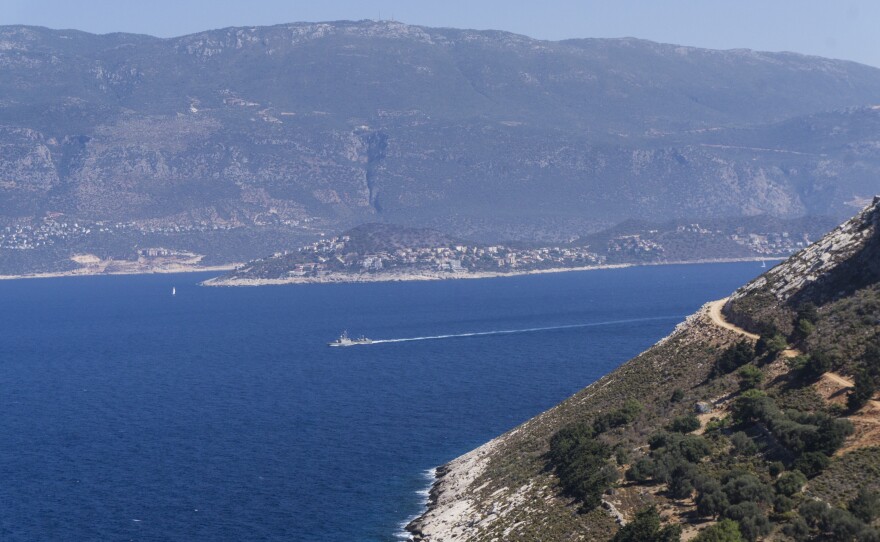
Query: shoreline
[(425, 493), (343, 278), (454, 508), (85, 272), (403, 276)]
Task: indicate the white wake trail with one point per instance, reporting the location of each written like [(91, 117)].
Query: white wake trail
[(525, 330)]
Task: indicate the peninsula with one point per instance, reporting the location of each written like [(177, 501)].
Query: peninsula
[(756, 419), (385, 252)]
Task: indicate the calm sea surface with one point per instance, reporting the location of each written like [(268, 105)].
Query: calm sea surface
[(221, 414)]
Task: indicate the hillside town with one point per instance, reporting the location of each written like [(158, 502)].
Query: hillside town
[(359, 254), (332, 255)]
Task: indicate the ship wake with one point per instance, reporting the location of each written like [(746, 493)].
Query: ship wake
[(525, 330)]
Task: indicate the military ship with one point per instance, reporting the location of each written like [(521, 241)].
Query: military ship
[(345, 340)]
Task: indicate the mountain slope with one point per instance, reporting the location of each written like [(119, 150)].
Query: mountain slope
[(291, 130), (708, 424)]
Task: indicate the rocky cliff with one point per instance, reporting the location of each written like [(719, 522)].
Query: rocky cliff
[(684, 428)]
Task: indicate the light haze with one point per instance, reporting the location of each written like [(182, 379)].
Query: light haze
[(836, 29)]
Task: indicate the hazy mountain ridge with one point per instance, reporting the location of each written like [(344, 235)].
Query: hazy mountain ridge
[(316, 127)]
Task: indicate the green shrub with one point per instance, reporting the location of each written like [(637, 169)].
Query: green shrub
[(817, 364), (835, 523), (716, 425), (790, 483), (804, 329), (750, 377), (692, 448), (753, 405), (775, 468), (646, 528), (808, 312), (733, 358), (753, 523), (642, 471), (616, 418), (769, 346), (862, 391), (782, 504), (621, 454), (811, 463), (711, 500), (579, 461), (816, 433), (677, 395), (866, 505), (797, 529), (747, 488), (742, 444), (725, 530), (684, 424), (797, 363)]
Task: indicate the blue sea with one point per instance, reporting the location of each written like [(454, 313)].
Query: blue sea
[(127, 413)]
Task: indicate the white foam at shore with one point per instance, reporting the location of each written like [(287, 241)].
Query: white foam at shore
[(430, 475)]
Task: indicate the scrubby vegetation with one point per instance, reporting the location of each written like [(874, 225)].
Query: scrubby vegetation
[(747, 471), (646, 528), (732, 438), (733, 358), (581, 463), (725, 530)]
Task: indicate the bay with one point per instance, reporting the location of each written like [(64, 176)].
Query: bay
[(127, 413)]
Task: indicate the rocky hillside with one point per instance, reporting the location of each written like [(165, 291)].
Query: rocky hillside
[(379, 251), (718, 432), (239, 142)]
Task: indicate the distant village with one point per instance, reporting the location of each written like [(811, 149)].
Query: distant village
[(333, 255), (55, 229), (337, 255)]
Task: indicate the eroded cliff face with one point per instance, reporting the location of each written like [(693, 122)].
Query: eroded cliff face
[(852, 244), (840, 263)]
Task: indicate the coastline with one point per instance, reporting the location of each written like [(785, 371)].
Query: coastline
[(126, 268), (404, 276), (447, 512), (456, 510), (86, 272)]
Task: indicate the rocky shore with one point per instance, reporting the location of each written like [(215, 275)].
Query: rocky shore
[(461, 506), (449, 503)]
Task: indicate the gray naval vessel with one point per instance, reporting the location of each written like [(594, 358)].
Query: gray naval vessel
[(345, 340)]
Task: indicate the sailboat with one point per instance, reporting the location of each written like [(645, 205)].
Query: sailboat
[(763, 263), (173, 290)]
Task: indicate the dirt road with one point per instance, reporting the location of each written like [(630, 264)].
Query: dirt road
[(718, 318)]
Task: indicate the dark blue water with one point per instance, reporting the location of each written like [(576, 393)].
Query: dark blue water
[(220, 414)]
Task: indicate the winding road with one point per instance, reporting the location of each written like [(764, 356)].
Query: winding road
[(718, 319)]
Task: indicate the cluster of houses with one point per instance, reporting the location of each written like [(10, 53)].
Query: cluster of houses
[(333, 255), (42, 234), (772, 243)]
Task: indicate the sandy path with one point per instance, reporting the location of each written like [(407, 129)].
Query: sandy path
[(718, 318), (830, 386)]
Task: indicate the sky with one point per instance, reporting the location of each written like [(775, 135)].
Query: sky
[(844, 29)]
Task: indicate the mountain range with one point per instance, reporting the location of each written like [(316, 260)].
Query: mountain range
[(239, 142)]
